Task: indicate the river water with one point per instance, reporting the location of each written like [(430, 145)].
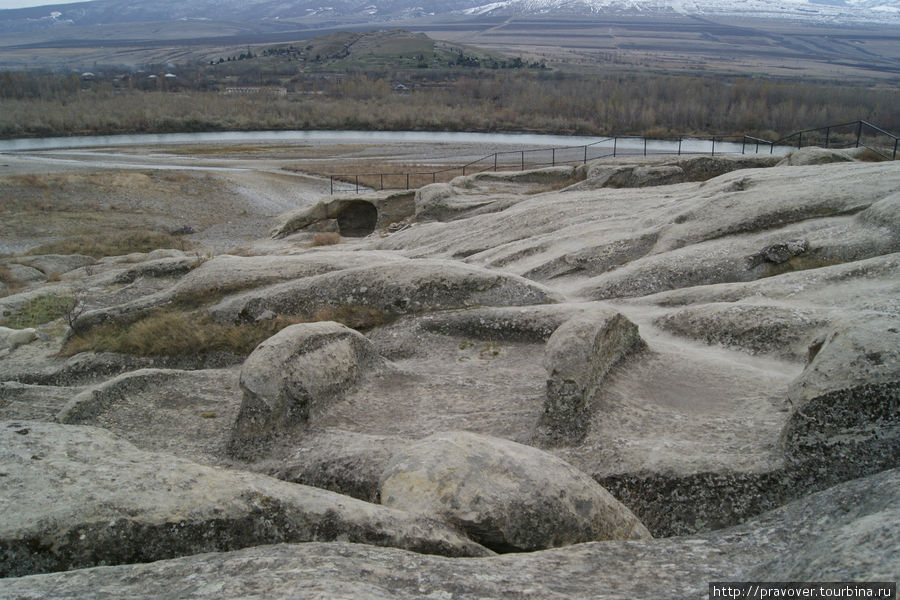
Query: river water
[(621, 145)]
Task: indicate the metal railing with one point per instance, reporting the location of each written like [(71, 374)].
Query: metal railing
[(855, 134), (844, 135)]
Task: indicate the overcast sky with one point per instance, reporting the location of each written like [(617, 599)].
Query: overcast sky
[(24, 3)]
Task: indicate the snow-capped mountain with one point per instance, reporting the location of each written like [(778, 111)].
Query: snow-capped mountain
[(821, 10), (122, 11)]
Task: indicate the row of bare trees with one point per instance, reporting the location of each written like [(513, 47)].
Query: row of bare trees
[(36, 105)]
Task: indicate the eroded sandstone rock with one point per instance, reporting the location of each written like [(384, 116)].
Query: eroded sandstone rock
[(301, 367), (847, 533), (507, 496), (353, 216), (846, 404), (78, 497), (10, 339), (393, 288), (579, 354)]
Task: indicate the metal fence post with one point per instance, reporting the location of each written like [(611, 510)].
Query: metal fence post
[(585, 155), (407, 181), (645, 146), (679, 145), (713, 147), (895, 149), (331, 178), (858, 133), (743, 143), (615, 141), (523, 160), (495, 161), (382, 180), (799, 140), (553, 157), (827, 135), (357, 184)]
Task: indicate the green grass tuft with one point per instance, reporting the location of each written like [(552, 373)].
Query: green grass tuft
[(40, 310)]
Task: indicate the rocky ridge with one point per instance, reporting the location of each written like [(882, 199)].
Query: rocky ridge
[(704, 347)]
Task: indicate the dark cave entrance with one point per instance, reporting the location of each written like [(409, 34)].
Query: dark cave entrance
[(357, 219)]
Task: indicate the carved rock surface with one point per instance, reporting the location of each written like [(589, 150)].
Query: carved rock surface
[(77, 497), (846, 533)]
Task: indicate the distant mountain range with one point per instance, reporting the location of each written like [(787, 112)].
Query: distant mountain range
[(290, 13)]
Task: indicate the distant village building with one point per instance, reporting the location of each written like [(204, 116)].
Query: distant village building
[(241, 90)]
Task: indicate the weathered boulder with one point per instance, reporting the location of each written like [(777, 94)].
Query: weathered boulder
[(443, 202), (55, 264), (392, 288), (301, 368), (10, 339), (529, 180), (506, 496), (77, 497), (814, 155), (846, 404), (745, 258), (578, 356), (753, 328), (600, 175), (23, 274), (750, 201), (701, 168), (884, 213), (847, 533), (214, 278), (779, 252), (169, 266)]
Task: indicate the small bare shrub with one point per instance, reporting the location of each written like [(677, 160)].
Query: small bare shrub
[(76, 307), (39, 310), (869, 155), (325, 239)]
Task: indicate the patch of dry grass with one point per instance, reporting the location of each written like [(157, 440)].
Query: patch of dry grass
[(325, 239), (173, 332), (113, 244), (167, 333), (13, 285)]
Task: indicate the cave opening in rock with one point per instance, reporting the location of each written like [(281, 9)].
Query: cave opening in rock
[(357, 219)]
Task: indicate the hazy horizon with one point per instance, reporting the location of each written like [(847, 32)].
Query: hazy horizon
[(8, 4)]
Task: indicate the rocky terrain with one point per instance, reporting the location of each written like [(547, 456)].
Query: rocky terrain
[(623, 379)]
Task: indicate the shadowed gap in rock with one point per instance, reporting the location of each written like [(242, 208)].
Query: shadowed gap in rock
[(357, 219)]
